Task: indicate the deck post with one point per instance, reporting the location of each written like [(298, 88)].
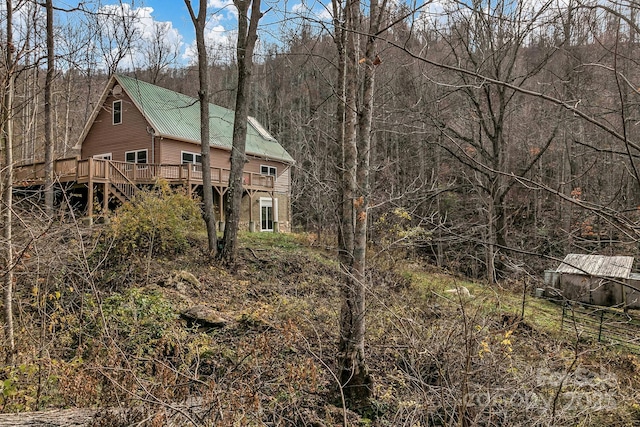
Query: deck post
[(105, 199), (221, 223), (90, 200), (274, 208), (90, 191), (252, 225)]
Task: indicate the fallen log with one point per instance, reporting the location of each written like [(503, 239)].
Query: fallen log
[(53, 418)]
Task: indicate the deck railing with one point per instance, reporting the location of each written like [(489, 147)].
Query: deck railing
[(100, 170), (120, 180), (63, 168)]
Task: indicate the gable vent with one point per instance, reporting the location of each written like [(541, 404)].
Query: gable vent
[(117, 90)]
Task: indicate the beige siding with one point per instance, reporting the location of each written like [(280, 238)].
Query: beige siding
[(283, 211), (283, 183), (105, 137), (131, 134), (171, 153), (283, 172)]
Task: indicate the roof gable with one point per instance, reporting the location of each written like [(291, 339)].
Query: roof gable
[(177, 116), (597, 265)]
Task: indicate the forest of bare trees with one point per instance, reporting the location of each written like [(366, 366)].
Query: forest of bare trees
[(507, 136)]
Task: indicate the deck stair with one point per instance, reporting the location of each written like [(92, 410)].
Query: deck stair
[(122, 187)]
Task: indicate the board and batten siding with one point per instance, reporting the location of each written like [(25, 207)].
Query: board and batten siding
[(131, 134)]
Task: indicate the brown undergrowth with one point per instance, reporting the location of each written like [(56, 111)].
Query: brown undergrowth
[(91, 337)]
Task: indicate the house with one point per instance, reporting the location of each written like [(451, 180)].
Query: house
[(596, 279), (140, 132)]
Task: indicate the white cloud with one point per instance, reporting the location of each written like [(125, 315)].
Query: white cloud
[(315, 10), (28, 27), (222, 7), (301, 8), (220, 42), (133, 38)]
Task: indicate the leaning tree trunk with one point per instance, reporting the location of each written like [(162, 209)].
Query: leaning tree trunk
[(247, 37)]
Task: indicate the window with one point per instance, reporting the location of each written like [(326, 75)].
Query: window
[(195, 159), (191, 158), (117, 112), (268, 170), (139, 156), (105, 156), (268, 213)]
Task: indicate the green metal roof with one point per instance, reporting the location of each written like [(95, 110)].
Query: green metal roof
[(177, 116)]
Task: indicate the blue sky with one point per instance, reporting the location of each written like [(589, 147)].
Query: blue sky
[(222, 19), (174, 11)]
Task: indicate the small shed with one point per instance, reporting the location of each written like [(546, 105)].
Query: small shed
[(595, 279)]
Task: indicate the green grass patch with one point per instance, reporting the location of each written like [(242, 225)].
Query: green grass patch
[(285, 241), (543, 315)]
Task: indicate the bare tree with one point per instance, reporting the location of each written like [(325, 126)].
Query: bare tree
[(49, 143), (6, 135), (160, 51), (357, 75), (199, 22), (247, 37), (479, 130), (115, 33), (355, 381)]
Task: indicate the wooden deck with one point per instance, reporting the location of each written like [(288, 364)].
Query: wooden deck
[(121, 180), (112, 172)]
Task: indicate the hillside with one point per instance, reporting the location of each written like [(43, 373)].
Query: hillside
[(103, 328)]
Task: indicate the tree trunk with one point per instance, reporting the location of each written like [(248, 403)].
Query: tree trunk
[(356, 383), (48, 114), (203, 95), (353, 370), (6, 135), (247, 36)]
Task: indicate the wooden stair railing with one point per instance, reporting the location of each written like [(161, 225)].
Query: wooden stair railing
[(124, 187), (117, 193)]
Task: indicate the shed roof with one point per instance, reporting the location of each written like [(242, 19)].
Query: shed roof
[(177, 116), (597, 265)]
